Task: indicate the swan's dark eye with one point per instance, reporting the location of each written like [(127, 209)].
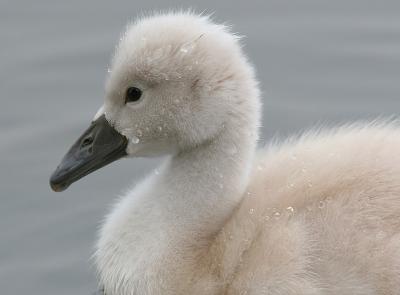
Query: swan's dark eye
[(132, 94)]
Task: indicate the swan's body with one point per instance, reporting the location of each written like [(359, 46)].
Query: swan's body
[(318, 215)]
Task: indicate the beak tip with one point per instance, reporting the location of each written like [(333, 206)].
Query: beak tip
[(58, 186)]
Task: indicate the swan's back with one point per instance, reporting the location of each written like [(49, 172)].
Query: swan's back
[(321, 214)]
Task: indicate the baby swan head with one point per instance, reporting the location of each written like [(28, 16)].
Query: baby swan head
[(176, 81)]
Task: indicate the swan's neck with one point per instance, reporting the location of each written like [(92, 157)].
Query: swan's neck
[(185, 202), (206, 183)]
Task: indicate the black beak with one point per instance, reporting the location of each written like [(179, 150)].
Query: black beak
[(98, 146)]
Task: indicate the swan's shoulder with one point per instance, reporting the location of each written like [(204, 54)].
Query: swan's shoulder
[(328, 162), (307, 194)]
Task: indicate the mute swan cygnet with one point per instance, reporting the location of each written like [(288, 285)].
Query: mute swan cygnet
[(317, 215)]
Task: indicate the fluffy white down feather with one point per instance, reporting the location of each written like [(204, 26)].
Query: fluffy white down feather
[(319, 214)]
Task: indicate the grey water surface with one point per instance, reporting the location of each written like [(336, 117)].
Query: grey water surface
[(318, 61)]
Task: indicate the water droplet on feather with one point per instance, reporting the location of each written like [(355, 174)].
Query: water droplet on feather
[(277, 215), (290, 209), (135, 139)]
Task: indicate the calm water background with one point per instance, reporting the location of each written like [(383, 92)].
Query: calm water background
[(319, 62)]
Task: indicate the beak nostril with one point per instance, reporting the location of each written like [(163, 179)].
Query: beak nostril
[(86, 142)]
